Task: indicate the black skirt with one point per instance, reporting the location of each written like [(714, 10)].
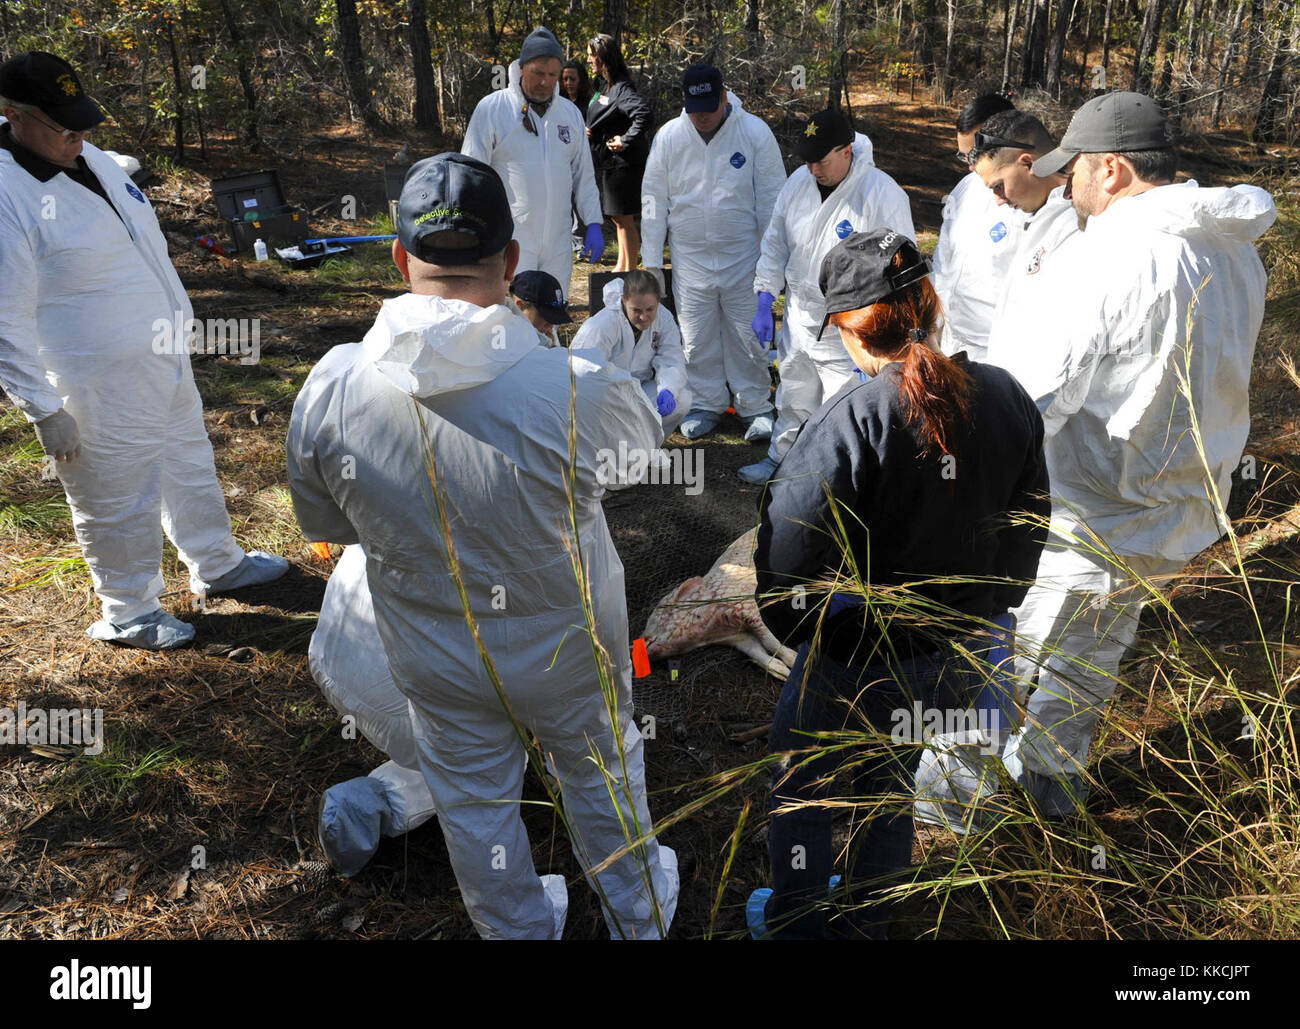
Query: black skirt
[(620, 189)]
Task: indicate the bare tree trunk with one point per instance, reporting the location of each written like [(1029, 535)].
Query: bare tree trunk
[(1194, 44), (1269, 125), (1234, 40), (837, 55), (753, 47), (1171, 35), (426, 89), (1105, 39), (1035, 48), (178, 83), (1254, 43), (1064, 13), (1006, 52), (945, 81), (1087, 43), (612, 18), (241, 64), (354, 61), (1148, 41)]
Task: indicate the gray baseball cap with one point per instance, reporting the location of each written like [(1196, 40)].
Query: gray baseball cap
[(1111, 123)]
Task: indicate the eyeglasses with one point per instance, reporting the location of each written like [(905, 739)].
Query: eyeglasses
[(963, 157), (528, 122), (63, 133)]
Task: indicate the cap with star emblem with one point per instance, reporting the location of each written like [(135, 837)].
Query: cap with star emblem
[(823, 132), (49, 84)]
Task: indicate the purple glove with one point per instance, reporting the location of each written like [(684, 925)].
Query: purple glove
[(593, 247), (666, 403), (842, 602), (763, 325)]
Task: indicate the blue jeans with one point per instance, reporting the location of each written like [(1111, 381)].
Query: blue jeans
[(871, 701)]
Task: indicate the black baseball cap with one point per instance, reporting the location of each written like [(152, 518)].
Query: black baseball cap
[(453, 193), (49, 84), (701, 88), (823, 132), (858, 272), (1110, 123), (543, 291)]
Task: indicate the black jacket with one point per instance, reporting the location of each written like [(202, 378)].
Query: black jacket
[(909, 519), (620, 111)]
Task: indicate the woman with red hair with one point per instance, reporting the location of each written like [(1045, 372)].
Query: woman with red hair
[(924, 485)]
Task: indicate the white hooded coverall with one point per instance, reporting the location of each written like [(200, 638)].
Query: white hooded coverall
[(976, 244), (471, 386), (544, 173), (654, 357), (1024, 338), (348, 663), (1172, 287), (802, 230), (93, 321), (712, 201)]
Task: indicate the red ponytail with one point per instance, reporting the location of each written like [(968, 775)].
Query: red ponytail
[(935, 390)]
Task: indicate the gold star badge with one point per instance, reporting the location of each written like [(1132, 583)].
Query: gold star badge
[(811, 130), (67, 84)]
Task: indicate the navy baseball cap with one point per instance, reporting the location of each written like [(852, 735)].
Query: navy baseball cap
[(859, 271), (453, 193), (823, 132), (544, 293), (701, 88), (49, 84)]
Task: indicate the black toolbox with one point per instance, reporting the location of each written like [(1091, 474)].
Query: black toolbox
[(254, 207)]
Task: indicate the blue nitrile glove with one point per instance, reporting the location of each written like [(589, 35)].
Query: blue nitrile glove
[(666, 403), (763, 325), (998, 697), (593, 247), (842, 602)]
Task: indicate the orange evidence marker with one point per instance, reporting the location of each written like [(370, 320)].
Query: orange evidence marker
[(640, 658), (321, 550)]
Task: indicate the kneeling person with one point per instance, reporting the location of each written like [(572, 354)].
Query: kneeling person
[(635, 332), (541, 300)]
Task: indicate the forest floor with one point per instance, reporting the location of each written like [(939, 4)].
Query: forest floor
[(229, 750)]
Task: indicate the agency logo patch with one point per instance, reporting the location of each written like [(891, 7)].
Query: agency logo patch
[(999, 232), (737, 159), (844, 229), (564, 133), (135, 192)]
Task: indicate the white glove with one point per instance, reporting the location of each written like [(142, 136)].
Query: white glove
[(59, 436), (658, 273)]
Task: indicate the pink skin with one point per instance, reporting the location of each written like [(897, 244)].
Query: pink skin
[(832, 168), (538, 77), (42, 136), (569, 84), (706, 121), (641, 309)]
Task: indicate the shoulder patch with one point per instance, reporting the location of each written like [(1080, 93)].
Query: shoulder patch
[(130, 188)]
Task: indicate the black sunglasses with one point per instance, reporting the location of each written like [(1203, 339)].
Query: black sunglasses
[(984, 143)]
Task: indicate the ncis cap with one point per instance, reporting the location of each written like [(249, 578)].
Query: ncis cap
[(701, 88), (1110, 123), (824, 131), (453, 193), (858, 272), (543, 291), (49, 84)]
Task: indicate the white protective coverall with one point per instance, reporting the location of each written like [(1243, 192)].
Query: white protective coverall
[(1025, 337), (654, 358), (92, 321), (544, 173), (1173, 288), (348, 663), (977, 242), (802, 230), (471, 386), (713, 200)]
